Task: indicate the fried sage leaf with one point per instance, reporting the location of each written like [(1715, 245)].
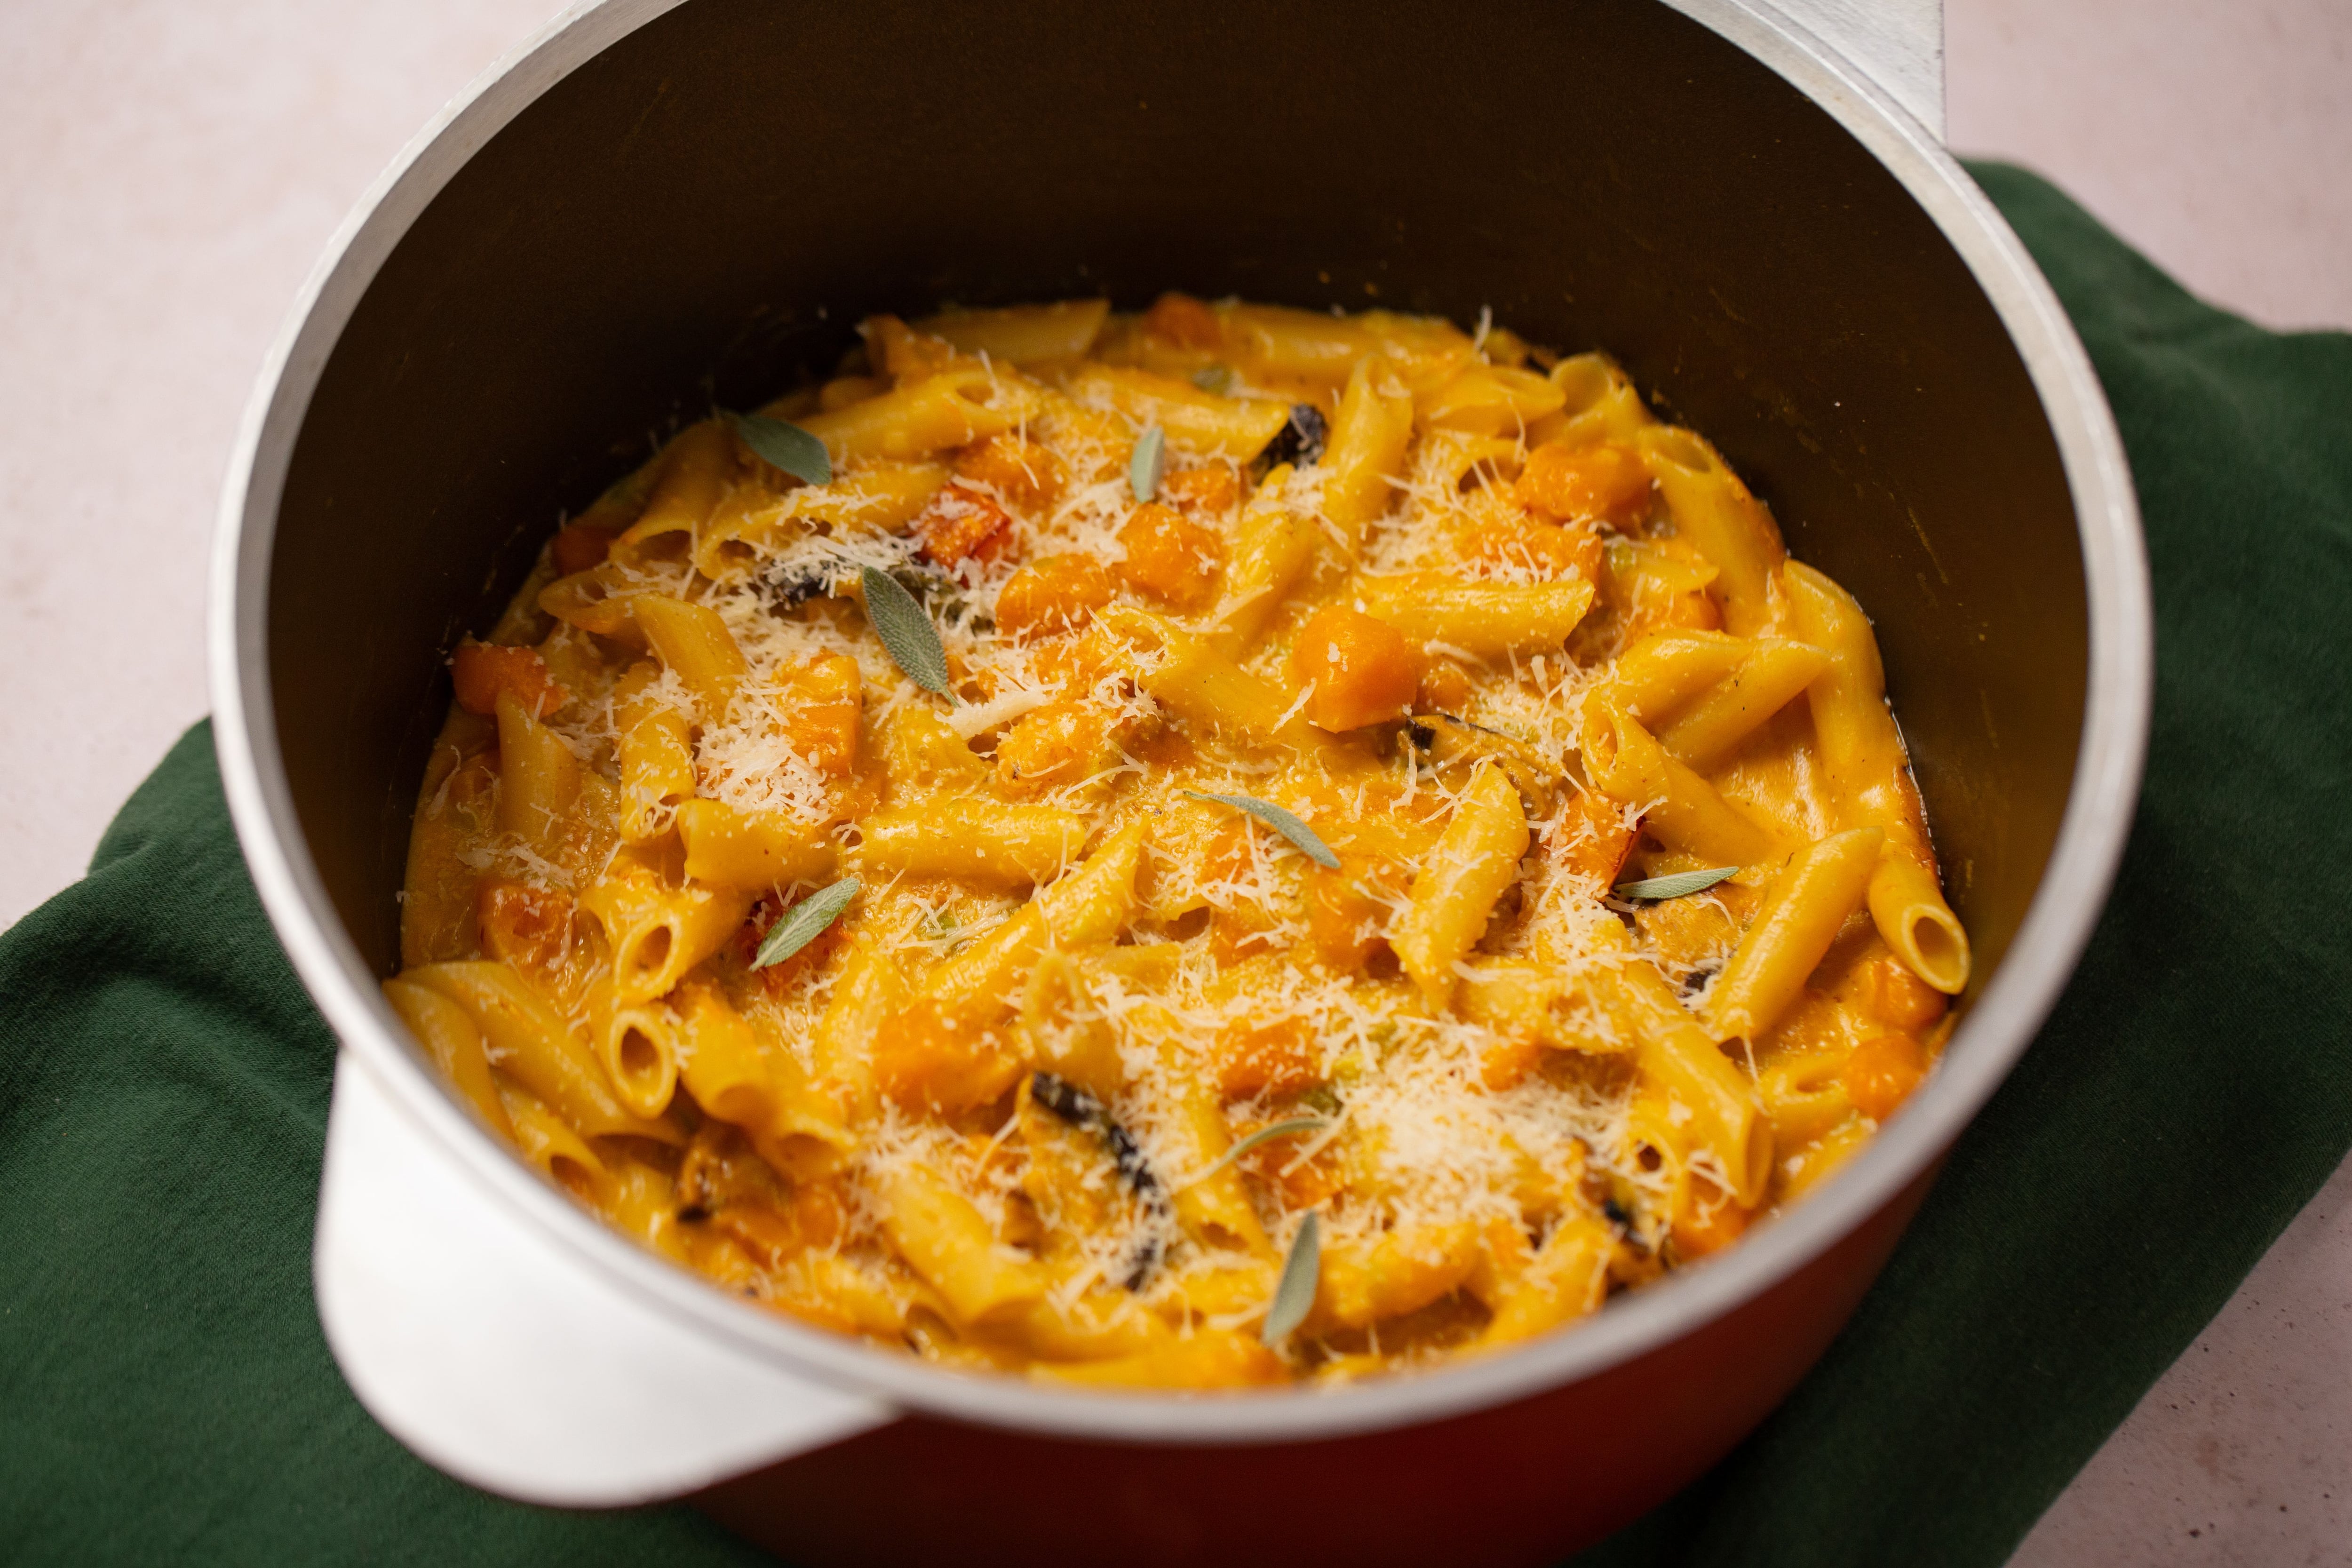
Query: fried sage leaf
[(1301, 1271), (904, 629), (1651, 890), (806, 921), (1263, 1135), (1150, 462), (786, 445), (1281, 821), (1080, 1108)]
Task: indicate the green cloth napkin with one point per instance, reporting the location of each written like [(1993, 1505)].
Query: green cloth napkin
[(165, 1393)]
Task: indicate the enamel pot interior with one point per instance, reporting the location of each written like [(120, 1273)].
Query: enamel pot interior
[(701, 214)]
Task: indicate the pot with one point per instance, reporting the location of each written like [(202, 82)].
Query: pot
[(655, 205)]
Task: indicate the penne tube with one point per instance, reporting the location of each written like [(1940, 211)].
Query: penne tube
[(1064, 1035), (451, 1038), (1490, 400), (1022, 334), (1397, 1271), (1714, 510), (1089, 906), (539, 778), (1680, 809), (1488, 620), (1804, 906), (1860, 746), (641, 1201), (904, 355), (1664, 671), (692, 640), (1862, 754), (1567, 1280), (603, 598), (1659, 583), (555, 1149), (658, 928), (437, 918), (1477, 857), (697, 469), (751, 852), (1457, 460), (1294, 344), (844, 390), (1804, 1096), (879, 498), (1598, 404), (1365, 451), (638, 1045), (720, 1060), (870, 989), (1097, 1325), (953, 408), (738, 1075), (1204, 687), (1198, 421), (921, 753), (529, 1040), (1908, 907), (965, 836), (1774, 673), (1687, 1069), (945, 1238), (657, 754), (1315, 349), (1271, 550), (1206, 1357)]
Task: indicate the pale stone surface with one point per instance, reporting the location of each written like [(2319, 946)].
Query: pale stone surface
[(169, 173), (2216, 135), (2243, 1452)]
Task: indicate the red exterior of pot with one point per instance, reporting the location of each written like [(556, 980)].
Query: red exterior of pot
[(1522, 1483)]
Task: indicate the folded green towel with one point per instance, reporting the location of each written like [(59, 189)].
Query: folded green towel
[(166, 1395)]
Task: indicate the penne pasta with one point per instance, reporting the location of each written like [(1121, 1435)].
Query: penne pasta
[(1476, 858), (1487, 620), (1680, 808), (1224, 922), (1198, 421), (1863, 754), (1714, 510), (1807, 901)]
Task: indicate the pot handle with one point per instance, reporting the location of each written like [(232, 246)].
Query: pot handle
[(1897, 44), (497, 1357)]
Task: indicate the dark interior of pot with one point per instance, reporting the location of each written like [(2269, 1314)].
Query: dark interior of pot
[(705, 211)]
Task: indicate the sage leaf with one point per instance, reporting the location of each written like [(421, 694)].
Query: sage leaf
[(1295, 1292), (1281, 821), (1263, 1135), (1683, 883), (805, 923), (1217, 378), (904, 629), (786, 445), (1150, 461)]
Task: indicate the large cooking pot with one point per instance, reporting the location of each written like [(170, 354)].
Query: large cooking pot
[(656, 205)]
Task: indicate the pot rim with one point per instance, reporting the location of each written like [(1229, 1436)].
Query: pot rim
[(1986, 1043)]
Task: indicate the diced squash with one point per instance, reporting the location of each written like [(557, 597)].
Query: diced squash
[(1363, 670)]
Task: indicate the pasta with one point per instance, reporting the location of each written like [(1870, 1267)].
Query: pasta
[(1322, 694)]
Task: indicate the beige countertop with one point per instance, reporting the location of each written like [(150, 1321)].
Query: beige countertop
[(169, 173)]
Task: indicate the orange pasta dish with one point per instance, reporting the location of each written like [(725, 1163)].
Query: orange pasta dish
[(1219, 846)]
